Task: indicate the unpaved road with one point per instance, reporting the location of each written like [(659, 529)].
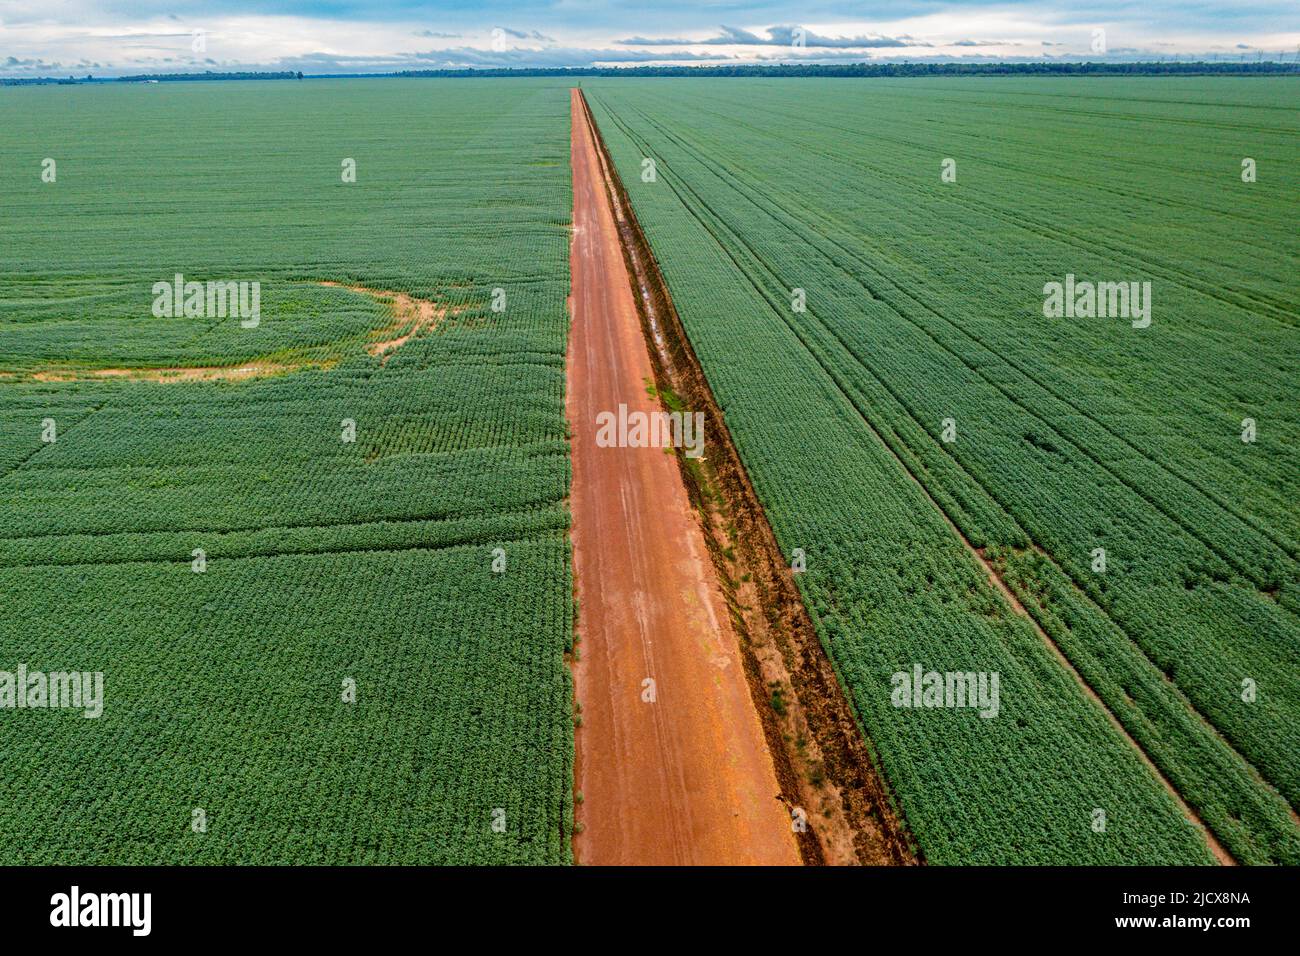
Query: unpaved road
[(684, 778)]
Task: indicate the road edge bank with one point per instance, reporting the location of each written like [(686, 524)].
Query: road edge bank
[(820, 749)]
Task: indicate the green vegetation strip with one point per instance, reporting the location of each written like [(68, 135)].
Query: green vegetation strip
[(325, 562), (925, 304)]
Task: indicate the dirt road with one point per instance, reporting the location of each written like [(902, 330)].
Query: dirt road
[(671, 760)]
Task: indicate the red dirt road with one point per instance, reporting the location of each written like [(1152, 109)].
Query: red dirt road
[(685, 778)]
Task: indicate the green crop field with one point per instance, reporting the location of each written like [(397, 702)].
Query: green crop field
[(1103, 467), (365, 663), (317, 543)]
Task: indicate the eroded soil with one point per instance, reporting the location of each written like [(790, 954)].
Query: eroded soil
[(411, 317)]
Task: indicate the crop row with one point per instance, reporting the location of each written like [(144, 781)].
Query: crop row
[(923, 312), (331, 599)]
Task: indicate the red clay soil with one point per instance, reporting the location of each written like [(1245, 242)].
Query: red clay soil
[(685, 778)]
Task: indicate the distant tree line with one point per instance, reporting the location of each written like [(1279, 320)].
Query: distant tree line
[(208, 75), (891, 69), (146, 78), (1053, 68)]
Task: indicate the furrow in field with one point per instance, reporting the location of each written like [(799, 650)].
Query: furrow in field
[(60, 430)]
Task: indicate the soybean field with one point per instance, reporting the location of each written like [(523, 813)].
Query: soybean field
[(313, 538), (286, 540), (1093, 499)]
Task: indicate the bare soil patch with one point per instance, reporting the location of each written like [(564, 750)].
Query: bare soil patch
[(411, 317), (207, 373)]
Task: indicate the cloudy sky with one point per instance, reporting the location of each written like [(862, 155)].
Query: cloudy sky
[(115, 37)]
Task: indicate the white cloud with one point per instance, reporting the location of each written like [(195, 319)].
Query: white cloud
[(51, 37)]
